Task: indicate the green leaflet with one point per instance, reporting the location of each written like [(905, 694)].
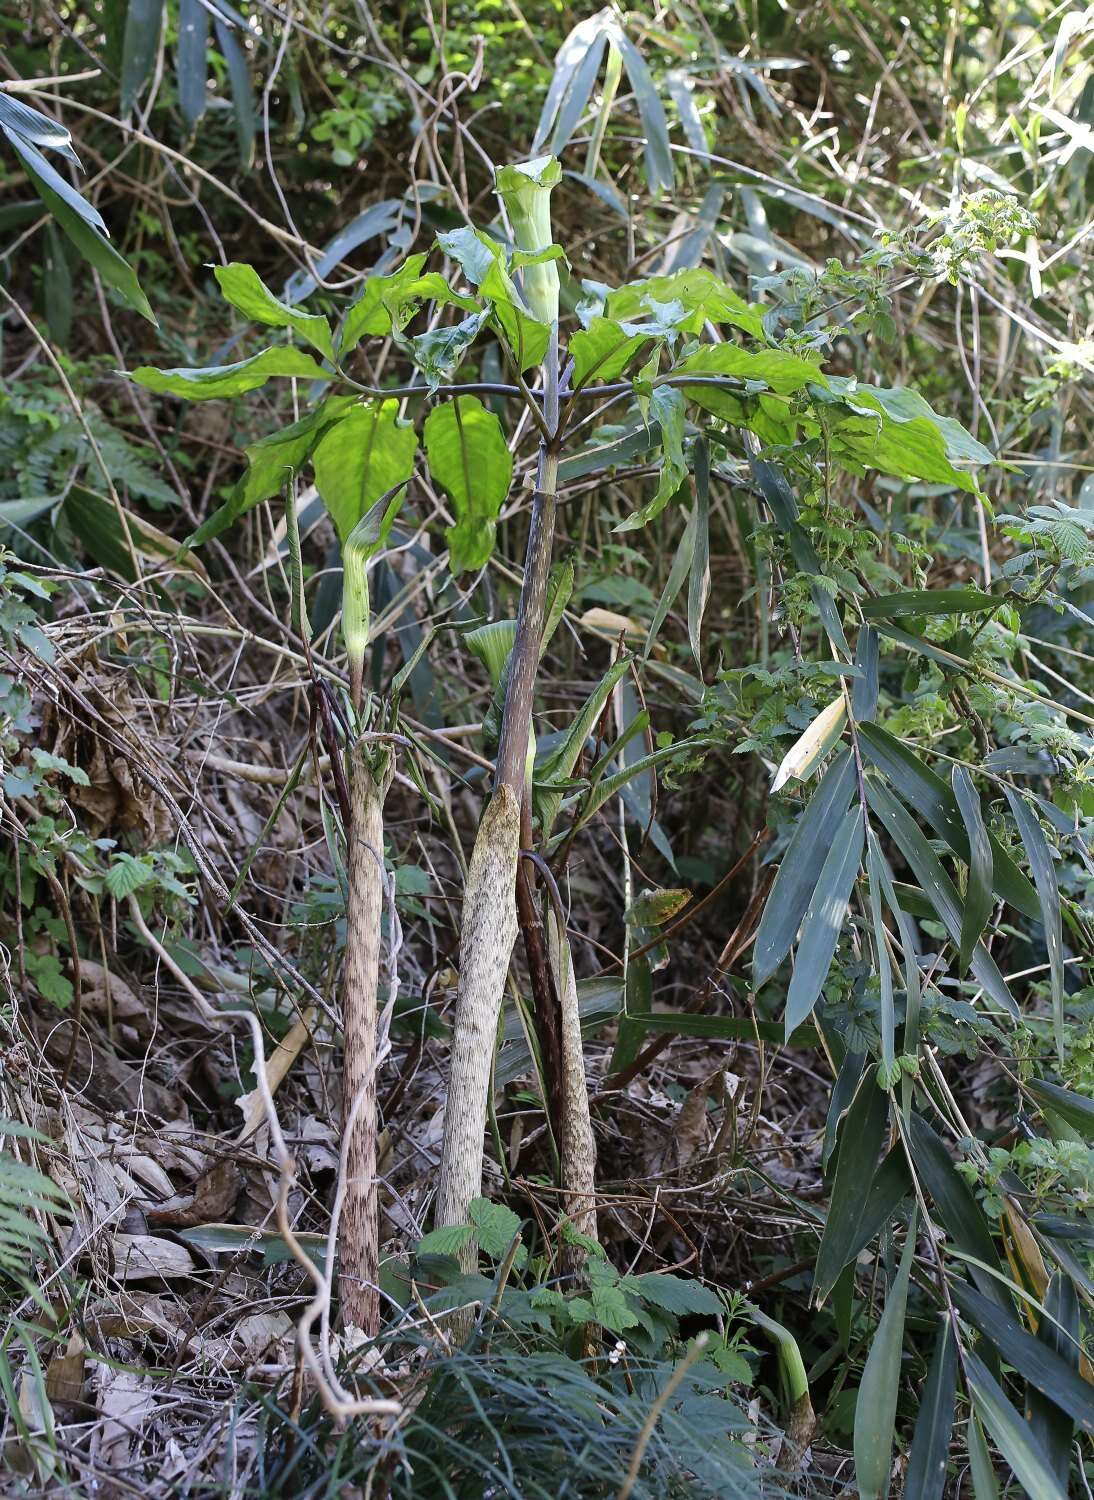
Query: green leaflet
[(932, 799), (361, 456), (824, 919), (699, 291), (917, 602), (699, 582), (243, 98), (778, 369), (667, 406), (985, 1481), (937, 885), (899, 433), (270, 463), (875, 1410), (190, 61), (1055, 1377), (926, 1478), (1031, 1465), (81, 223), (800, 867), (1048, 894), (209, 382), (681, 566), (874, 863), (245, 290), (140, 43), (468, 456), (602, 351), (978, 898), (861, 1139)]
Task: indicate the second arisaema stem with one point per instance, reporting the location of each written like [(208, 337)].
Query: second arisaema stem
[(489, 926)]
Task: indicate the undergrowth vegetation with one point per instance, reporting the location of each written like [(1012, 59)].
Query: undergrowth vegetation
[(546, 563)]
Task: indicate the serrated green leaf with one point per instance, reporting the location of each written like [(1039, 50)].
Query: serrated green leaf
[(448, 1240), (678, 1295), (495, 1226)]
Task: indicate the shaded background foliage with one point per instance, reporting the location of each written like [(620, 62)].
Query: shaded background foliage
[(909, 194)]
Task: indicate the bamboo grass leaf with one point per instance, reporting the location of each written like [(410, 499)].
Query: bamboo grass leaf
[(824, 919), (1017, 1443), (978, 898), (1048, 894), (875, 1409)]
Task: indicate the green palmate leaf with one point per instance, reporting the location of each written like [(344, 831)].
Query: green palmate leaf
[(1048, 894), (918, 602), (926, 1478), (861, 1139), (937, 886), (961, 1215), (81, 223), (801, 866), (1036, 1360), (271, 463), (1031, 1465), (210, 382), (778, 369), (241, 286), (140, 43), (361, 456), (1074, 1109), (824, 919), (495, 1226), (1059, 1330), (875, 1409), (678, 1295), (937, 805), (603, 350), (978, 897), (448, 1240), (699, 292), (468, 456), (900, 434)]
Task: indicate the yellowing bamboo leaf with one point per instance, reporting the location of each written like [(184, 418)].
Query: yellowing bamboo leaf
[(810, 748)]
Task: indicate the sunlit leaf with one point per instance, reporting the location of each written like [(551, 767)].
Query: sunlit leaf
[(468, 456)]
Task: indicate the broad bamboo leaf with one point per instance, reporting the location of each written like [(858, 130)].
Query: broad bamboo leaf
[(875, 1409), (780, 500), (961, 1215), (1028, 1460), (985, 1481), (364, 454), (926, 1478), (95, 520), (1074, 1109), (213, 382), (242, 286), (865, 691), (140, 43), (800, 867), (1048, 893), (1055, 1377), (978, 897), (651, 111), (861, 1139), (887, 1013), (824, 919), (727, 1028), (568, 59), (699, 583), (1060, 1331), (810, 748), (191, 68), (938, 886), (243, 99), (468, 456), (681, 567), (82, 223), (30, 125), (918, 602), (933, 800)]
